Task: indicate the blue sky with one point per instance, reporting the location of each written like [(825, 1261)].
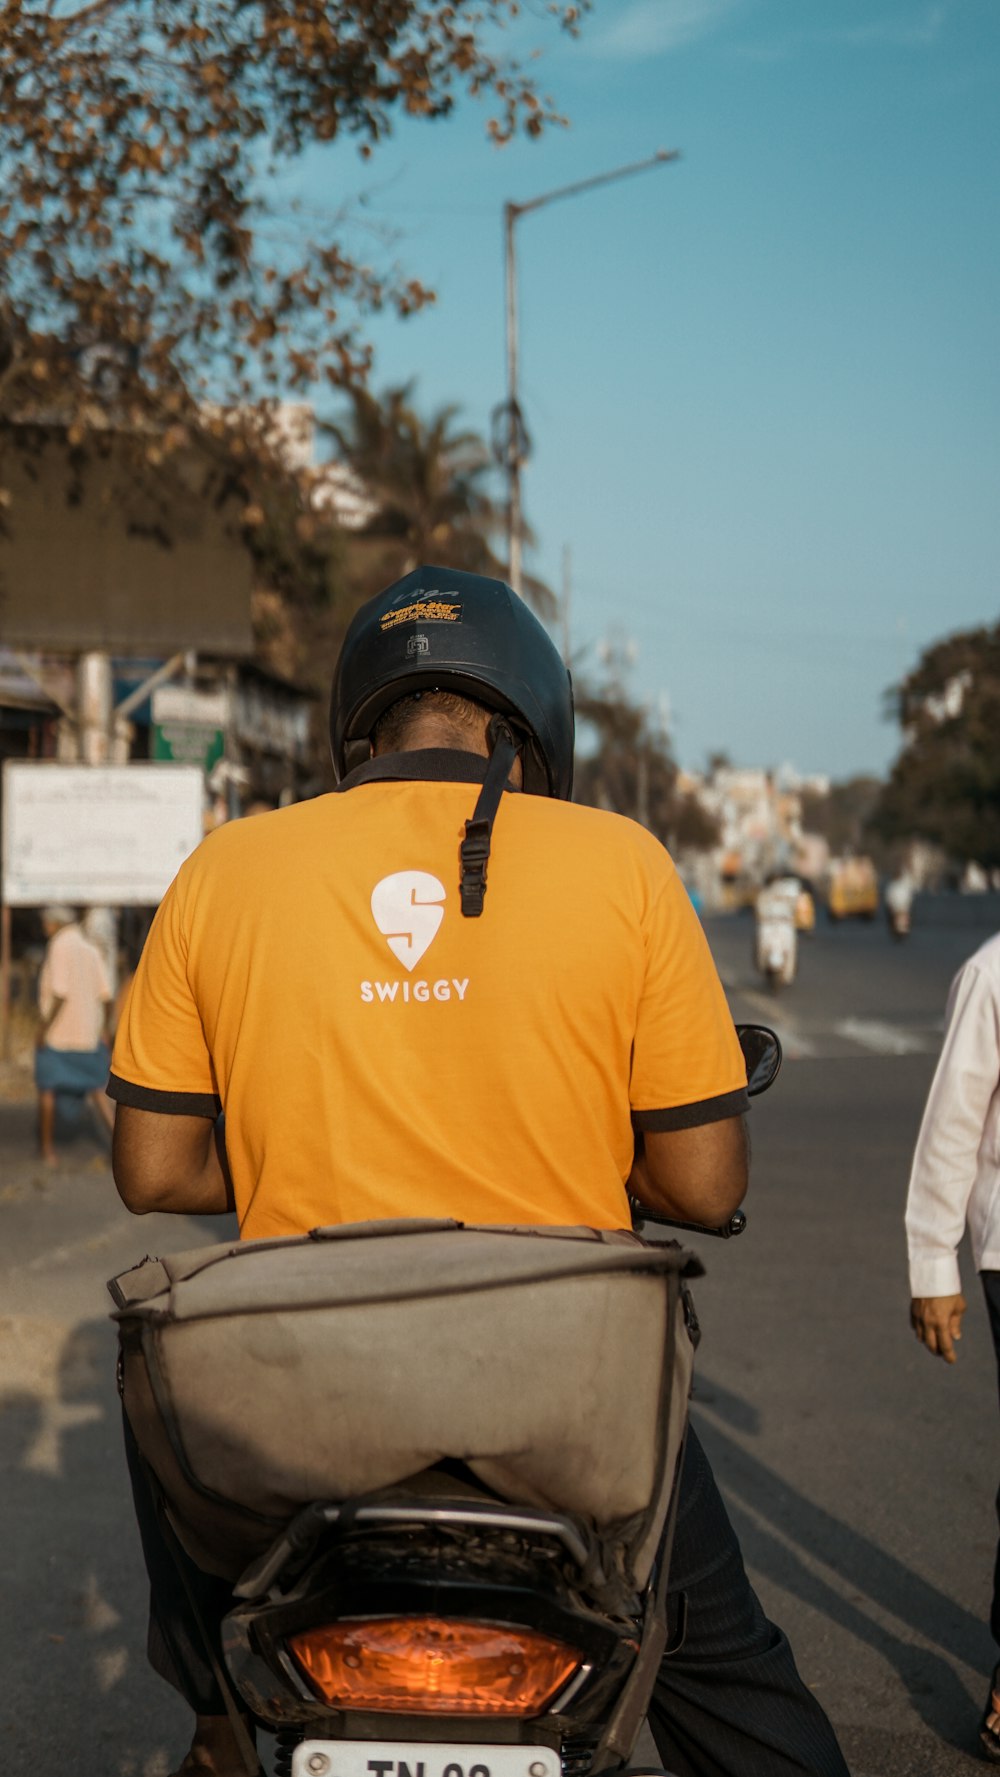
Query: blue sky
[(762, 383)]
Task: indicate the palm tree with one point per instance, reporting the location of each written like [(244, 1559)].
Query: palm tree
[(428, 487)]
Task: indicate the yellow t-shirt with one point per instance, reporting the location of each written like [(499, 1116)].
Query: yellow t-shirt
[(379, 1055)]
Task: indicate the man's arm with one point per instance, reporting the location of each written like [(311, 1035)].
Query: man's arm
[(694, 1175), (170, 1164), (946, 1158), (46, 1020)]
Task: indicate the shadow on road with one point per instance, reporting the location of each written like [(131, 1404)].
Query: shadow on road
[(788, 1537), (77, 1695)]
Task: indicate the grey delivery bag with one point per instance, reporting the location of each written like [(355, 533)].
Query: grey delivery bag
[(555, 1363)]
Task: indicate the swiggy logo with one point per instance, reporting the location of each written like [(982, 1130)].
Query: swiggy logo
[(408, 908)]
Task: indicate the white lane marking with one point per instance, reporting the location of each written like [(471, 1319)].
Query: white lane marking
[(60, 1255), (883, 1039), (794, 1046), (877, 1035), (762, 1002)]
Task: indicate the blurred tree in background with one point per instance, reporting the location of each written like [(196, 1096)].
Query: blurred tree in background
[(945, 784), (147, 149), (426, 486), (843, 816), (162, 289), (420, 493), (629, 767)]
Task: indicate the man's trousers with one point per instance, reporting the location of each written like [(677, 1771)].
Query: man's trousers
[(991, 1290)]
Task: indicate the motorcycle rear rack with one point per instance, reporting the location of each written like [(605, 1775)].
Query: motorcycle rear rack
[(303, 1530)]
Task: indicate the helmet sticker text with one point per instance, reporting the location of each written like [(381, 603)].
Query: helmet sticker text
[(422, 611)]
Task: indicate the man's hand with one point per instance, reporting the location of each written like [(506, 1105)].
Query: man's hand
[(937, 1322)]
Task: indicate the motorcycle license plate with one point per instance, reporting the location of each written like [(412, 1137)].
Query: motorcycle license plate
[(397, 1758)]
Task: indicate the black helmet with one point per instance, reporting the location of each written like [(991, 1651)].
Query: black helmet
[(441, 630)]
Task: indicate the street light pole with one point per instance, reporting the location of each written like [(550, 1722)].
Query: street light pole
[(514, 442)]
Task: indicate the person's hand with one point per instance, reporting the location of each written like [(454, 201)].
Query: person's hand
[(937, 1322)]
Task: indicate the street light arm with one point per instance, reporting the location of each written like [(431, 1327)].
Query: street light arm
[(661, 158), (515, 429)]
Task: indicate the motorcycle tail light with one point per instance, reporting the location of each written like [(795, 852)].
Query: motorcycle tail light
[(429, 1666)]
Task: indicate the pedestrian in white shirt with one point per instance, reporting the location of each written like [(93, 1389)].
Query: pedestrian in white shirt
[(954, 1184), (74, 1000)]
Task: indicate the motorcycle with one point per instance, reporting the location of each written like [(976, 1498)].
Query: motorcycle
[(898, 905), (776, 941), (493, 1610), (899, 922)]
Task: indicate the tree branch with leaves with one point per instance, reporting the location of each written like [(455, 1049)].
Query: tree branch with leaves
[(945, 785), (427, 484), (143, 145)]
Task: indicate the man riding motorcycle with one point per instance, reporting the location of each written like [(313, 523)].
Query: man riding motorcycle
[(408, 1005), (776, 934)]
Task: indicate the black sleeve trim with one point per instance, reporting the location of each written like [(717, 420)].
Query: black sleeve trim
[(692, 1116), (171, 1104)]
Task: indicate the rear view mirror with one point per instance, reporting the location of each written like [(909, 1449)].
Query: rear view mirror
[(762, 1054)]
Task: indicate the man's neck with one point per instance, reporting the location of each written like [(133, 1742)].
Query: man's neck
[(434, 737)]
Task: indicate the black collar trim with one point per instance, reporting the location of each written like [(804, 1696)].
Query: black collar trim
[(432, 765)]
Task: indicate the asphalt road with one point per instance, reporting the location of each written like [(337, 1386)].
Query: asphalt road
[(860, 1473)]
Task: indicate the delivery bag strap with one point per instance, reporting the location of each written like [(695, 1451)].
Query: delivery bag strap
[(245, 1745), (623, 1729), (474, 850)]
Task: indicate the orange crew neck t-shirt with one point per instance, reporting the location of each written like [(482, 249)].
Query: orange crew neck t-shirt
[(378, 1055)]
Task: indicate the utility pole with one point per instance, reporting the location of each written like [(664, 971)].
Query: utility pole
[(94, 708), (565, 601), (642, 782), (100, 735), (518, 443), (94, 735), (512, 439)]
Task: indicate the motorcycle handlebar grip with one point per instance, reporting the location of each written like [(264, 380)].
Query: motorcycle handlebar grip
[(735, 1225)]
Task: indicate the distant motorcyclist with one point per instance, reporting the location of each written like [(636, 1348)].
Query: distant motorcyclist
[(444, 990), (776, 944), (899, 904)]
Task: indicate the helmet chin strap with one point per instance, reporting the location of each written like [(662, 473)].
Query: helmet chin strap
[(475, 848)]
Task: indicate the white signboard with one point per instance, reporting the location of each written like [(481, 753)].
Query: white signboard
[(178, 703), (97, 835)]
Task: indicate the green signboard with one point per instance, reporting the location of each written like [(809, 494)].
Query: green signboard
[(188, 743)]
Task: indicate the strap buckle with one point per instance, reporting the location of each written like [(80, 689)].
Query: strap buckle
[(474, 853), (474, 850), (475, 847)]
